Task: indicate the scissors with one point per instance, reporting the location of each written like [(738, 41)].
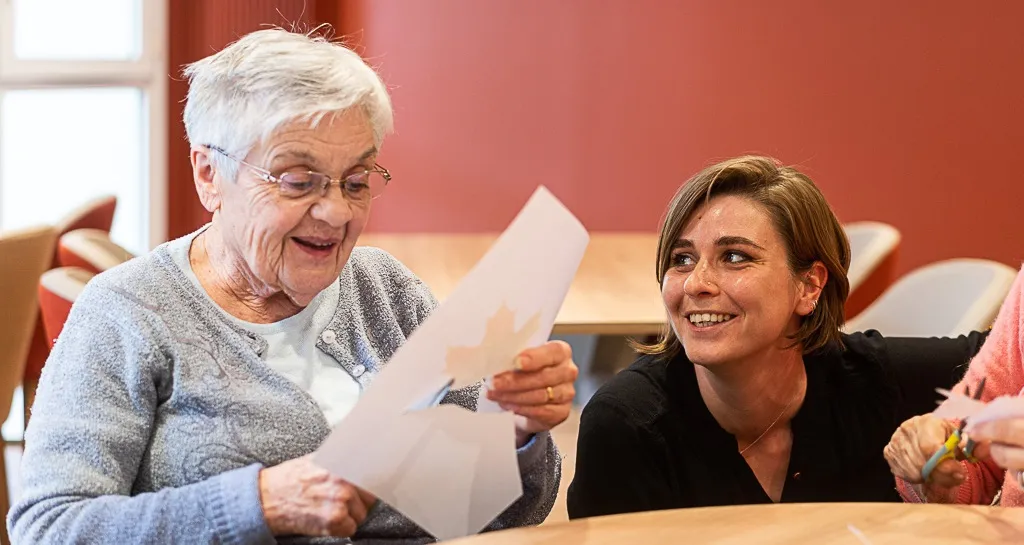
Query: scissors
[(948, 450)]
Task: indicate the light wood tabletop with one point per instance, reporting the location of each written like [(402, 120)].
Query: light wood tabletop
[(789, 524), (614, 291)]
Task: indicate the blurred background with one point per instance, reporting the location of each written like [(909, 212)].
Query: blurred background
[(902, 112)]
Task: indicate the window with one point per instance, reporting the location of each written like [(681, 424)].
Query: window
[(82, 108), (82, 114), (108, 30)]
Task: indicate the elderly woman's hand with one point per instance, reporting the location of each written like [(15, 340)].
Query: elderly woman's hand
[(1003, 441), (914, 443), (540, 389), (300, 497)]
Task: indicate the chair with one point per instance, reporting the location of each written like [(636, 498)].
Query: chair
[(58, 289), (95, 214), (947, 298), (90, 249), (24, 256), (873, 253)]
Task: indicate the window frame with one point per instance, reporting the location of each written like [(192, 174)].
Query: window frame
[(148, 73)]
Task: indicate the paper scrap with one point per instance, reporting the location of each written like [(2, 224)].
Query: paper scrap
[(450, 470), (858, 534)]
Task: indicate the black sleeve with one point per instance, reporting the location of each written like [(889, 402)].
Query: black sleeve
[(923, 364), (616, 464)]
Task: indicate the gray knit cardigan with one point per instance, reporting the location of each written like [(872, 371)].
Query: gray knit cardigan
[(155, 414)]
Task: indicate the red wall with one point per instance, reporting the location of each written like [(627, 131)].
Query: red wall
[(904, 112), (197, 28)]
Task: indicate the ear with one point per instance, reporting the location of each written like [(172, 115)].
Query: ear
[(813, 282), (205, 177)]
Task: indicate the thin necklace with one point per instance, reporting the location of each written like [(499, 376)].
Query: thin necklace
[(770, 426)]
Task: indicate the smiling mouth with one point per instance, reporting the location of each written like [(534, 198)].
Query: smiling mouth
[(319, 245), (709, 319)]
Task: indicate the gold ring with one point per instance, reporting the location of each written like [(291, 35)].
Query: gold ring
[(551, 394)]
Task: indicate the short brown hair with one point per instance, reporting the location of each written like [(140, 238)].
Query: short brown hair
[(803, 218)]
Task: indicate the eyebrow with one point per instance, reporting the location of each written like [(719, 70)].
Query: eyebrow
[(687, 244), (738, 241), (295, 155), (305, 157), (367, 154), (285, 157)]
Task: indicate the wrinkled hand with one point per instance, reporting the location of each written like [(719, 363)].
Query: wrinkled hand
[(1003, 441), (914, 443), (300, 497), (540, 389)]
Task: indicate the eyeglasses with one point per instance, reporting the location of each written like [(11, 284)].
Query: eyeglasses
[(360, 186)]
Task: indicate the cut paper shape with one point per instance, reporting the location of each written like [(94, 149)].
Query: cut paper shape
[(959, 406), (448, 469), (481, 476), (496, 351)]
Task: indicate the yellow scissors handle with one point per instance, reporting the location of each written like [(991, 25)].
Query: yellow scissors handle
[(947, 452)]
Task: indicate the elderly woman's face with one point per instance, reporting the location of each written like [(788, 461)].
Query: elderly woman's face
[(299, 246), (729, 290)]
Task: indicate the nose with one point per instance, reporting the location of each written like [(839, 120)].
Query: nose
[(702, 281), (334, 208)]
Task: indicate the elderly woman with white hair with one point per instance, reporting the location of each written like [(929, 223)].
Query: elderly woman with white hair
[(190, 386)]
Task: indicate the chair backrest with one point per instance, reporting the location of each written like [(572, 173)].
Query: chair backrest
[(92, 250), (873, 257), (870, 243), (946, 298), (95, 214), (24, 256), (58, 289)]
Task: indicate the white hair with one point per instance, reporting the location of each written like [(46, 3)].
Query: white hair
[(239, 96)]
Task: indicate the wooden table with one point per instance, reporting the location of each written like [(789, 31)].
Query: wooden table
[(789, 524), (614, 292)]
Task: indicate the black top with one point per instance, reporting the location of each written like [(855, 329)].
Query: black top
[(647, 440)]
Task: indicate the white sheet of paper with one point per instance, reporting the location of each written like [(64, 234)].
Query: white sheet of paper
[(956, 406), (959, 406), (999, 408), (448, 469)]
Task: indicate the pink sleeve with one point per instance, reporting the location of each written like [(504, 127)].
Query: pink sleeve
[(1000, 361)]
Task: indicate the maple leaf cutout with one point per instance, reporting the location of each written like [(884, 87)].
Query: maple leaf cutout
[(495, 353)]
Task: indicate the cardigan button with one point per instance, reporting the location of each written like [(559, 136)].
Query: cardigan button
[(329, 337), (358, 370)]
